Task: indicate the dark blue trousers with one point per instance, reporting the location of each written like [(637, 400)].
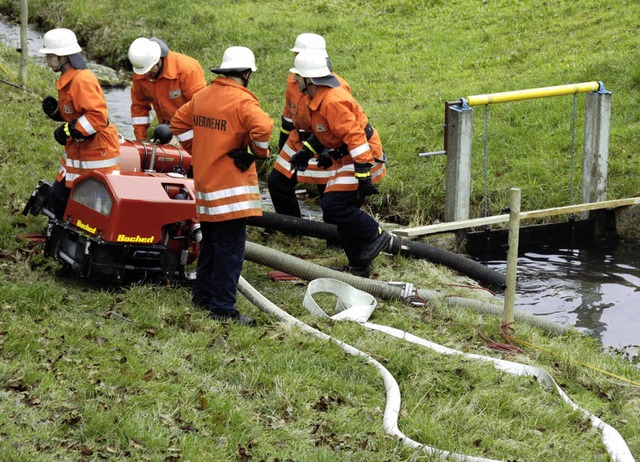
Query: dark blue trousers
[(220, 263), (283, 193), (355, 226)]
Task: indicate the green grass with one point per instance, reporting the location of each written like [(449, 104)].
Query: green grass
[(403, 61), (135, 373)]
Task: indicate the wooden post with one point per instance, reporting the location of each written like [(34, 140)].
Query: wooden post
[(24, 45), (512, 255)]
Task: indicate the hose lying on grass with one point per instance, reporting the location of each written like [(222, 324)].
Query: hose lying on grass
[(405, 247), (386, 290), (355, 305)]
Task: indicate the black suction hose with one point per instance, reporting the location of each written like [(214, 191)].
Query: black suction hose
[(405, 247)]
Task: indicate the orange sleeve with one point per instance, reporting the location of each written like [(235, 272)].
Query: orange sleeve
[(192, 81), (259, 126), (182, 125), (89, 101), (140, 111), (342, 119)]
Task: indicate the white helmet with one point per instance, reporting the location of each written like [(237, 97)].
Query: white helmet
[(144, 54), (60, 42), (309, 41), (311, 63), (236, 59)]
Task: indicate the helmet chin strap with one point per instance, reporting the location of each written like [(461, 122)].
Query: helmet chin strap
[(160, 63), (305, 90), (246, 79), (157, 74), (62, 60)]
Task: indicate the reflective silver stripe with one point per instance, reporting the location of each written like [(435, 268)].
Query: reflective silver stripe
[(185, 136), (286, 148), (226, 193), (262, 144), (61, 167), (115, 172), (337, 180), (86, 125), (314, 174), (141, 120), (229, 208), (313, 171), (71, 176), (283, 163), (377, 173), (359, 150), (93, 164)]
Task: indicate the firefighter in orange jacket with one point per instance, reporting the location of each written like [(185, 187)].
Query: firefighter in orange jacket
[(295, 130), (351, 148), (225, 130), (163, 80), (90, 141)]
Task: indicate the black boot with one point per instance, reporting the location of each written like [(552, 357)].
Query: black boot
[(231, 315), (39, 198), (362, 271), (371, 250)]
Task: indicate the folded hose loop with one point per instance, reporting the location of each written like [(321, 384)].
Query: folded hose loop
[(281, 261), (399, 246), (392, 390), (355, 305)]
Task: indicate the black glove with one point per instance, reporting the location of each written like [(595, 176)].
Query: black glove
[(60, 135), (285, 128), (50, 108), (284, 136), (365, 185), (242, 158), (324, 159), (300, 160), (67, 130)]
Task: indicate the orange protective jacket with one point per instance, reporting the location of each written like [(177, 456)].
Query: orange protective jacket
[(337, 120), (296, 112), (221, 118), (181, 78), (80, 97)]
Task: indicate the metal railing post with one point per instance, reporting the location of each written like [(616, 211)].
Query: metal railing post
[(597, 126), (458, 174)]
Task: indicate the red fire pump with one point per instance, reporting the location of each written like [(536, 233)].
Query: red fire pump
[(139, 224)]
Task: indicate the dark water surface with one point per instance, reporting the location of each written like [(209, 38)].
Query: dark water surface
[(595, 288)]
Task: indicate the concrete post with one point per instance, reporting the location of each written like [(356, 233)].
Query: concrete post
[(596, 146), (458, 175)]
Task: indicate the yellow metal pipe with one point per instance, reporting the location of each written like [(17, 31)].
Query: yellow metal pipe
[(533, 93)]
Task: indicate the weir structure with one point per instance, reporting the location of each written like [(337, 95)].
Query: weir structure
[(459, 131)]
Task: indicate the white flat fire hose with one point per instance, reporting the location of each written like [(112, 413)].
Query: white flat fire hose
[(355, 305)]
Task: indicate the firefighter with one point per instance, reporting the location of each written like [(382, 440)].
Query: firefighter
[(163, 80), (225, 130), (350, 148), (295, 130), (90, 141)]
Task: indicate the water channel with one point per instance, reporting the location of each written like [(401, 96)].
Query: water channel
[(595, 288)]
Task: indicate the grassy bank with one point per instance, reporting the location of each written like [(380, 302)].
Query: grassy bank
[(135, 373), (404, 60)]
